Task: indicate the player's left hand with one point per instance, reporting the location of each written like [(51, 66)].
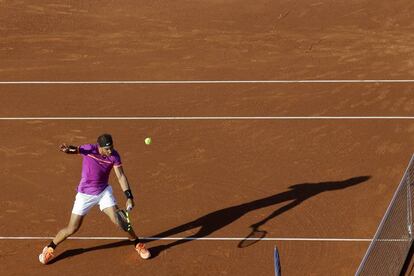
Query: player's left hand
[(129, 204), (63, 147)]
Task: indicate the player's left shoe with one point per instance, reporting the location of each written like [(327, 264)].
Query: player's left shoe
[(46, 255), (142, 251)]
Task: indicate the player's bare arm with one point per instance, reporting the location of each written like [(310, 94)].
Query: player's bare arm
[(123, 181)]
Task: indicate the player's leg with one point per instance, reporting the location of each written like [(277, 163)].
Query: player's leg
[(108, 205), (83, 203), (111, 212), (74, 224), (139, 246)]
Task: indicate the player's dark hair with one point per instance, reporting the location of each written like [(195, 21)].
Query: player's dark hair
[(105, 140)]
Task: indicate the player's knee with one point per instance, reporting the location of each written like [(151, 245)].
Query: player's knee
[(117, 221)]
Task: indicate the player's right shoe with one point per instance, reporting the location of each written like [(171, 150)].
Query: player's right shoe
[(46, 255), (142, 251)]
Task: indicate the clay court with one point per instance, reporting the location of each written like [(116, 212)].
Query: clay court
[(275, 114)]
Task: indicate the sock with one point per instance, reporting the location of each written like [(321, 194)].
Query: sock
[(52, 245), (136, 241)]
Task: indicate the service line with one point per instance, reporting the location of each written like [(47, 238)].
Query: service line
[(147, 82), (209, 118)]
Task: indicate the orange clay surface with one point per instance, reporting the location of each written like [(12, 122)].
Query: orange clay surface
[(205, 178)]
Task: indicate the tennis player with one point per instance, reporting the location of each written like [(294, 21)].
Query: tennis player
[(93, 189)]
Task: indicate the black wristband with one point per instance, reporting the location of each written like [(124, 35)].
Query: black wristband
[(72, 149), (128, 194)]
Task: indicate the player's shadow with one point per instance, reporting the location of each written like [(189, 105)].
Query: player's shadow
[(77, 251), (216, 220)]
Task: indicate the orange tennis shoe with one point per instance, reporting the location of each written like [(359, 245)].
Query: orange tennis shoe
[(142, 251), (46, 255)]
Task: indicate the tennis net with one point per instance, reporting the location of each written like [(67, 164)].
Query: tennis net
[(389, 248)]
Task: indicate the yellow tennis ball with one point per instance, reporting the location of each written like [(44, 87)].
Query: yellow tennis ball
[(148, 141)]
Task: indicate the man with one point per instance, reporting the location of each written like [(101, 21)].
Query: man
[(93, 189)]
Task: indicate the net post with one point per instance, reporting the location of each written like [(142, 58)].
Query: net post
[(276, 259)]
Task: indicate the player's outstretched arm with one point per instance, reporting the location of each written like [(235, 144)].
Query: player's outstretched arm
[(123, 181), (70, 149)]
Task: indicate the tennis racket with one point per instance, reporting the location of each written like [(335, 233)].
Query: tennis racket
[(255, 235), (124, 219)]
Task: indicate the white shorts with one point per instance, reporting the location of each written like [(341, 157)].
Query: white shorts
[(83, 202)]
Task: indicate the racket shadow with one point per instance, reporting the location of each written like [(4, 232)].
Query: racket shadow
[(77, 251), (216, 220), (255, 236)]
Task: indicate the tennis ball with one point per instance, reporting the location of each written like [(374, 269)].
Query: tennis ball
[(148, 141)]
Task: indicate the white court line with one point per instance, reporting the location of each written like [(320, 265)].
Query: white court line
[(201, 239), (215, 239), (202, 81), (213, 118)]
